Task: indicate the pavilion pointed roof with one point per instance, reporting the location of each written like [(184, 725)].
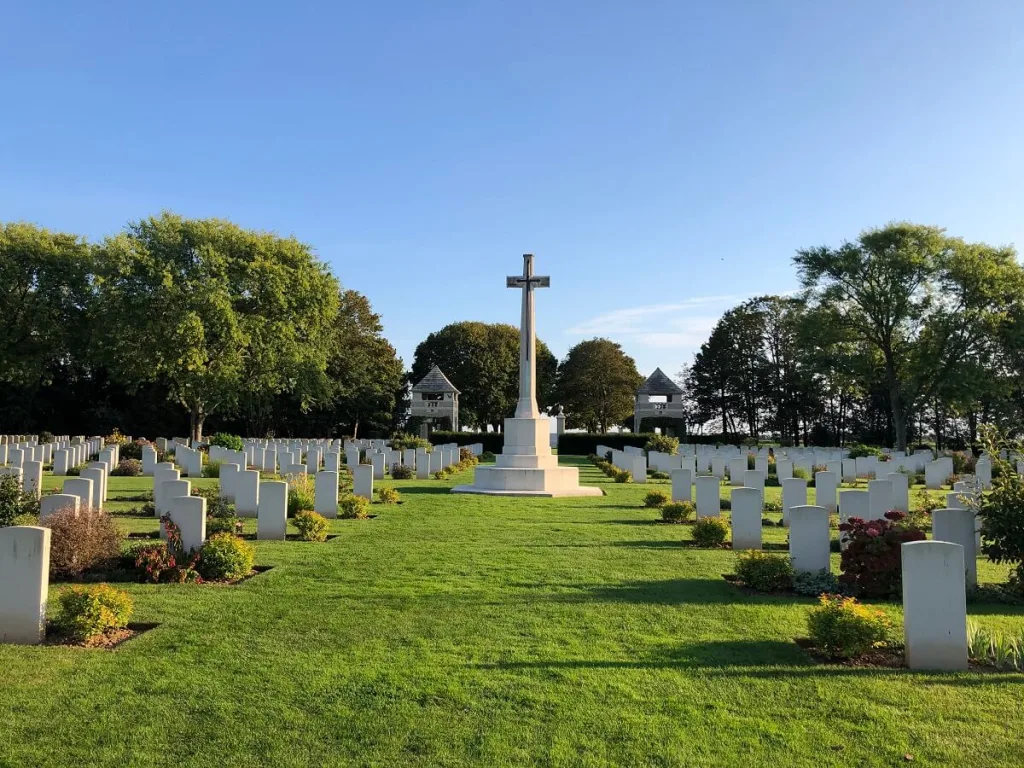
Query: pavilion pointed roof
[(435, 381), (659, 384)]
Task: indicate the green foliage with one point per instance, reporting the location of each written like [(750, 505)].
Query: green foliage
[(388, 495), (801, 474), (246, 313), (1003, 651), (623, 476), (491, 441), (301, 494), (482, 361), (597, 383), (401, 441), (127, 468), (402, 472), (655, 499), (764, 572), (872, 563), (584, 443), (86, 612), (813, 584), (311, 526), (1002, 509), (83, 542), (677, 511), (710, 532), (861, 451), (487, 456), (212, 469), (14, 503), (224, 557), (352, 507), (843, 628), (225, 440)]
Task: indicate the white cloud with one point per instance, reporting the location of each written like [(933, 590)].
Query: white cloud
[(649, 319)]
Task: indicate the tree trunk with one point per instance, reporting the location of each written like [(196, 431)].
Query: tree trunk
[(355, 429), (196, 419), (899, 422)]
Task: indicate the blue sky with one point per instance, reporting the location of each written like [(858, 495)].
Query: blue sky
[(663, 160)]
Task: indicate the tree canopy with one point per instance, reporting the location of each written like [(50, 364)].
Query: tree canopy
[(597, 384)]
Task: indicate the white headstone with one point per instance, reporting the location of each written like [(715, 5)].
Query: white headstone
[(247, 493), (326, 494), (362, 481), (708, 500), (900, 491), (794, 494), (56, 502), (681, 485), (25, 576), (934, 605), (825, 486), (746, 518), (189, 514), (809, 539), (272, 513), (957, 527)]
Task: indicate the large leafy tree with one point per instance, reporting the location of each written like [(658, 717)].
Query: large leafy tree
[(482, 361), (45, 296), (921, 299), (597, 384), (218, 313)]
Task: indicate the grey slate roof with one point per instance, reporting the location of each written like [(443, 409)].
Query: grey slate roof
[(659, 384), (435, 381)]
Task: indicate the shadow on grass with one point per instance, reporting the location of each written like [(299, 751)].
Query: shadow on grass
[(666, 592), (420, 489), (759, 659)]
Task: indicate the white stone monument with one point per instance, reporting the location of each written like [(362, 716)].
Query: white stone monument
[(25, 576), (746, 518), (272, 510), (934, 605), (526, 466)]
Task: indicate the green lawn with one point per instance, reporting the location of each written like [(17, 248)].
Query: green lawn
[(457, 630)]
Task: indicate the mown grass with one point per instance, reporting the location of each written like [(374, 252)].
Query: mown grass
[(462, 630)]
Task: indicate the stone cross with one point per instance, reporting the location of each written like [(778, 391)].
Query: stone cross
[(527, 407)]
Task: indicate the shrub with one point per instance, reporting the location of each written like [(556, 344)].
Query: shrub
[(401, 441), (860, 451), (813, 584), (440, 475), (764, 572), (677, 511), (82, 542), (226, 522), (388, 496), (127, 468), (353, 507), (1002, 511), (843, 628), (487, 456), (14, 502), (86, 612), (662, 443), (623, 476), (301, 494), (224, 557), (655, 499), (402, 472), (311, 526), (710, 532), (801, 473), (657, 474), (212, 469), (466, 457), (725, 504), (132, 450), (225, 440), (871, 562)]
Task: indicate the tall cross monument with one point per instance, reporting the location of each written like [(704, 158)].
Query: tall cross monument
[(527, 407), (526, 466)]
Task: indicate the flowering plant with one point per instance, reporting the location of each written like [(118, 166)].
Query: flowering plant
[(871, 562), (169, 563)]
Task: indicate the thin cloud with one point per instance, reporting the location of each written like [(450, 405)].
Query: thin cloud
[(642, 319)]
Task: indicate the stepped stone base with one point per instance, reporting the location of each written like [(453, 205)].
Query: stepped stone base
[(526, 467)]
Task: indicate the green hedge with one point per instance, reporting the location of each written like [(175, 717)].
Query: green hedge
[(491, 441)]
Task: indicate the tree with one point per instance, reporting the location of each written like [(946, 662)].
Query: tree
[(215, 312), (45, 293), (597, 385), (922, 299), (482, 361)]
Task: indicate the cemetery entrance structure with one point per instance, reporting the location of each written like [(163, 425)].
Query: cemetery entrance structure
[(435, 401), (526, 466), (660, 400)]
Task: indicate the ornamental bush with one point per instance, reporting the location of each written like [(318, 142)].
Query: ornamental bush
[(1002, 511), (655, 499), (677, 511), (301, 494), (352, 507), (844, 629), (86, 612), (311, 526), (402, 472), (814, 584), (710, 532), (871, 563), (623, 476), (225, 440), (224, 557), (14, 502), (82, 542), (401, 441), (127, 468), (662, 443), (388, 495), (861, 451), (764, 572)]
